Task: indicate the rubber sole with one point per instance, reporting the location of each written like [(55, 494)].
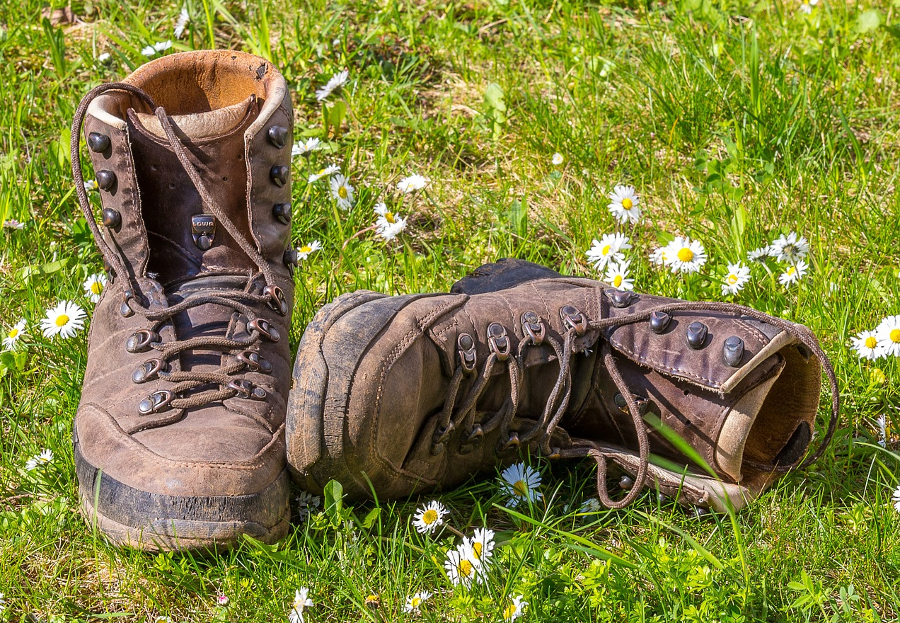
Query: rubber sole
[(155, 522)]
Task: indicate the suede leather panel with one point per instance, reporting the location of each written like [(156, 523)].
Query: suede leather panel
[(270, 234), (130, 237)]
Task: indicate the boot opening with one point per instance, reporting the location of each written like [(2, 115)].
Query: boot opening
[(194, 82), (772, 424)]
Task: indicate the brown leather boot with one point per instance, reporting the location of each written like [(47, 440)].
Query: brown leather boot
[(395, 395), (179, 437)]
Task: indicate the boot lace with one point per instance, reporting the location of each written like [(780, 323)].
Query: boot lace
[(550, 439), (144, 340)]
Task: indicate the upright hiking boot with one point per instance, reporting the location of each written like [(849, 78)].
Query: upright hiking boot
[(179, 437), (395, 395)]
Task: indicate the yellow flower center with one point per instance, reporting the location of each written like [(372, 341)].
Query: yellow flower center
[(415, 601), (606, 249), (685, 254), (429, 517), (96, 287), (871, 342), (389, 217), (791, 270), (895, 336), (465, 567), (13, 333), (509, 611), (477, 547), (732, 279), (617, 281), (342, 192), (520, 488), (306, 249), (62, 320), (627, 203)]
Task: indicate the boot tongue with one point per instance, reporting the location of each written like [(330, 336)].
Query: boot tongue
[(183, 242)]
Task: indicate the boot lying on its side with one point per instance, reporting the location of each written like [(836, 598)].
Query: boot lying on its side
[(179, 437), (394, 395)]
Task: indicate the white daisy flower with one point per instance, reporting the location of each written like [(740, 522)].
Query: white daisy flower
[(337, 81), (607, 249), (521, 482), (430, 517), (301, 602), (793, 273), (40, 460), (222, 600), (624, 204), (65, 320), (306, 250), (307, 503), (104, 58), (658, 256), (617, 275), (156, 48), (183, 19), (342, 191), (412, 183), (590, 505), (789, 249), (888, 335), (12, 224), (414, 603), (90, 185), (388, 224), (684, 255), (305, 148), (807, 5), (461, 566), (758, 255), (331, 169), (515, 609), (94, 285), (482, 544), (866, 345), (895, 498), (737, 277), (882, 430), (14, 335), (557, 159)]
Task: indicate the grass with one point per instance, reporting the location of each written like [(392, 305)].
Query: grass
[(735, 121)]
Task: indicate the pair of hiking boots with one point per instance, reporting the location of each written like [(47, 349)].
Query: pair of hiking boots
[(190, 428)]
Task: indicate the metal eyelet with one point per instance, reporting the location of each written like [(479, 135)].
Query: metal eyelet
[(276, 299), (156, 402), (512, 442), (498, 341), (124, 308), (472, 440), (466, 349), (573, 319), (246, 389), (254, 362), (659, 321), (439, 439), (533, 327), (149, 370), (619, 298), (265, 328), (643, 404), (140, 341)]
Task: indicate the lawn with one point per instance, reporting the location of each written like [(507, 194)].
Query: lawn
[(736, 123)]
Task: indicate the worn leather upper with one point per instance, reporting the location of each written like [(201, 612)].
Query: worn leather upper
[(390, 362), (224, 105)]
